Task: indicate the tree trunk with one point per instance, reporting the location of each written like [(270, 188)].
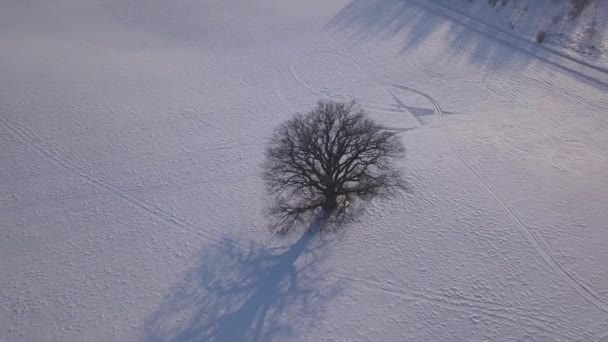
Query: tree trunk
[(331, 203)]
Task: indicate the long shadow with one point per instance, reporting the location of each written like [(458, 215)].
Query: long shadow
[(246, 294), (415, 22)]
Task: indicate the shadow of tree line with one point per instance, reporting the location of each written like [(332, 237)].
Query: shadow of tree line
[(247, 294), (416, 21)]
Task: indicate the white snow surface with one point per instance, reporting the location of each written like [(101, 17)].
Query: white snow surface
[(131, 206)]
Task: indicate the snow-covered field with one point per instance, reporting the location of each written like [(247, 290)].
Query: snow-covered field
[(132, 134)]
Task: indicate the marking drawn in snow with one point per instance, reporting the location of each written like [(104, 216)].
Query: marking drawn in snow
[(436, 107), (404, 106), (361, 76)]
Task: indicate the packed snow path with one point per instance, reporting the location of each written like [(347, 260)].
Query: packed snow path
[(132, 134)]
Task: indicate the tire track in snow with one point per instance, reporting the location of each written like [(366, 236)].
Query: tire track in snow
[(421, 122), (436, 106), (539, 244)]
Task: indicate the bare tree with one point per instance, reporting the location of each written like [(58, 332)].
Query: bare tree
[(328, 157)]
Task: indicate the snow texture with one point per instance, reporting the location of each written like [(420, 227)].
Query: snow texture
[(132, 134)]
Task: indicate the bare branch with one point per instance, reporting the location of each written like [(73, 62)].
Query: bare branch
[(328, 157)]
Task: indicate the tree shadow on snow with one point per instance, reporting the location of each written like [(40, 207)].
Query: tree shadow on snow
[(247, 294), (414, 22)]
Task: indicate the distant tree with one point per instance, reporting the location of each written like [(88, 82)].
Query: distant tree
[(327, 158), (541, 36)]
